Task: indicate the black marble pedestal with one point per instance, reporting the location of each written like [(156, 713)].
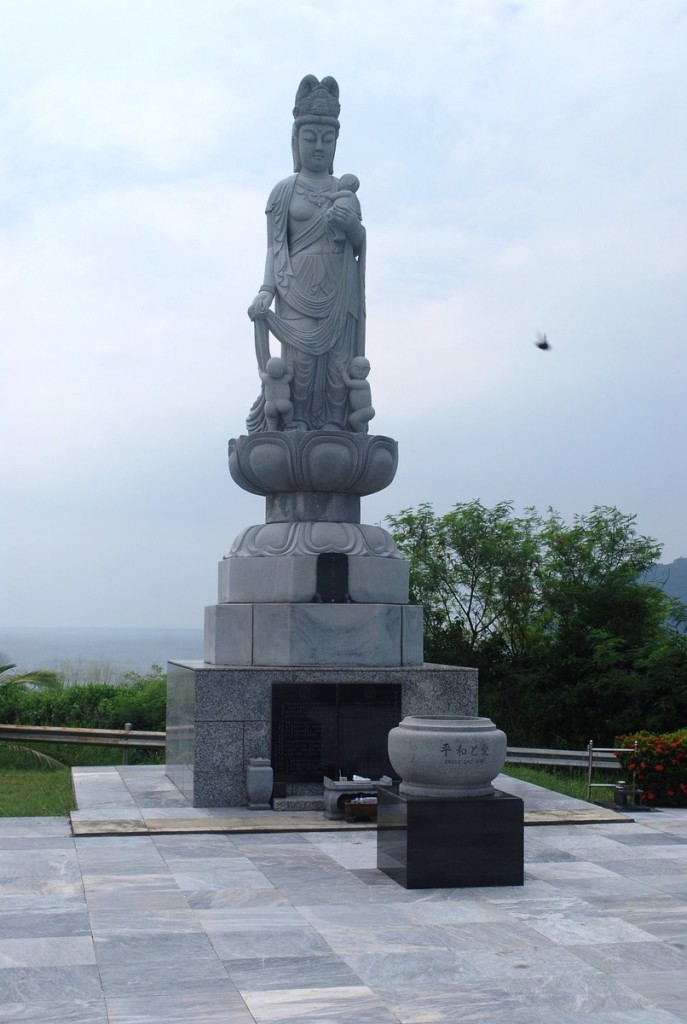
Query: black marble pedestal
[(427, 843)]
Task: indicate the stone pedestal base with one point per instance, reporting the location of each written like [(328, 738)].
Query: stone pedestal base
[(276, 579), (426, 843), (313, 634), (313, 593), (218, 717)]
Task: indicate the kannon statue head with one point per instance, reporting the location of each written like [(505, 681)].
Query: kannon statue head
[(317, 106)]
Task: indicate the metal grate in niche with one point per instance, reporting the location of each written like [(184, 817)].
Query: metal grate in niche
[(332, 728)]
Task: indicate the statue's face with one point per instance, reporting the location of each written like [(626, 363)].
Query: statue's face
[(316, 146)]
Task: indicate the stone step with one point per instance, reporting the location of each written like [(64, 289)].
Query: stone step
[(298, 803)]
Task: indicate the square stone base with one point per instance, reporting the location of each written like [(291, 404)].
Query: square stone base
[(425, 843), (313, 634), (220, 716), (292, 579)]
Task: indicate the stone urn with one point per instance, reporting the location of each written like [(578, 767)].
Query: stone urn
[(259, 781), (437, 756)]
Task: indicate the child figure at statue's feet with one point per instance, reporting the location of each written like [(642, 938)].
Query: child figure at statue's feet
[(359, 395)]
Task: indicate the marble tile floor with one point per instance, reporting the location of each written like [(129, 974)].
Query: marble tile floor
[(291, 926)]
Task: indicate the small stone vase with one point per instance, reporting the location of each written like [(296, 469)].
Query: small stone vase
[(259, 780), (447, 757)]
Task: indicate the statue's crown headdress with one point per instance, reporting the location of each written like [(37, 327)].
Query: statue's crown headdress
[(317, 101)]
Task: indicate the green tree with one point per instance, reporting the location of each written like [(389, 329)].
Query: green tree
[(570, 644), (474, 571), (601, 623)]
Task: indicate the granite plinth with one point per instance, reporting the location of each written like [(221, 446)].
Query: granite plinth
[(286, 634), (427, 843), (293, 578), (218, 717)]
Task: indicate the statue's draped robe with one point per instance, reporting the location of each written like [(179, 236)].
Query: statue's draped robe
[(327, 287)]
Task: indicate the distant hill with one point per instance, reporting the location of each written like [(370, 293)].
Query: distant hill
[(671, 578)]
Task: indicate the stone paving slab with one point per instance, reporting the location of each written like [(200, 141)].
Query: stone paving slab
[(252, 927)]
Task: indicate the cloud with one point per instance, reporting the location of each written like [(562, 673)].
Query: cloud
[(168, 126), (522, 168)]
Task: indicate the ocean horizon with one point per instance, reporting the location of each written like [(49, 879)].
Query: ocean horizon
[(104, 654)]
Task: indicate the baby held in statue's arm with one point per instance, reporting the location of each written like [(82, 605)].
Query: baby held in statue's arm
[(345, 196)]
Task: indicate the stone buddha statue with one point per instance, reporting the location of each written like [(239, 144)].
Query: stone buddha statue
[(308, 447), (312, 298)]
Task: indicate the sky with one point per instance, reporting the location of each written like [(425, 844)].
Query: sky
[(522, 169)]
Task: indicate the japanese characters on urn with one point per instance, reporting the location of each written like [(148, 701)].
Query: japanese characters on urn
[(447, 757)]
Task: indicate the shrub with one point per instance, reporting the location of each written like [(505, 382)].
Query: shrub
[(659, 764), (140, 700)]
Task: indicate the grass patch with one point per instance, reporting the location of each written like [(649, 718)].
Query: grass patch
[(35, 792), (569, 781), (37, 782), (33, 783)]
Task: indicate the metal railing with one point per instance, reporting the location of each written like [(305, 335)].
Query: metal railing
[(124, 738), (596, 752), (601, 757), (593, 759)]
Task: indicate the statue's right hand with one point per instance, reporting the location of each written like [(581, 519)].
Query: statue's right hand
[(260, 305)]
